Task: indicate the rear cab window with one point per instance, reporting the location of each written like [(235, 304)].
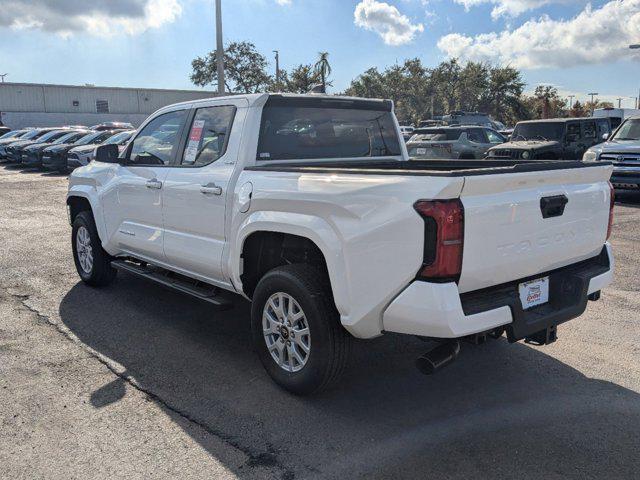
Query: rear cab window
[(300, 128)]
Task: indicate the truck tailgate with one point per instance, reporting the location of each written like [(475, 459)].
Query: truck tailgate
[(506, 237)]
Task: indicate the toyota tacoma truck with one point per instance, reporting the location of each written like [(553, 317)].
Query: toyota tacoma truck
[(307, 206)]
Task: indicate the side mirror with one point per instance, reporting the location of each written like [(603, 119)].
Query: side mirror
[(605, 136), (107, 153)]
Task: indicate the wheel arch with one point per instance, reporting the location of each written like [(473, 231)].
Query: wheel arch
[(301, 237), (80, 201)]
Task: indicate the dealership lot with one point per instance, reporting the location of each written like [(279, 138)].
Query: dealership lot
[(134, 380)]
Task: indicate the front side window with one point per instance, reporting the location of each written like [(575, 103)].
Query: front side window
[(494, 137), (157, 142), (437, 134), (326, 130), (208, 136)]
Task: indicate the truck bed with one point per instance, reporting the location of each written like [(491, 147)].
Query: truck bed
[(436, 168)]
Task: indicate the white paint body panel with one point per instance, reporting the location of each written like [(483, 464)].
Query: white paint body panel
[(505, 236), (364, 224)]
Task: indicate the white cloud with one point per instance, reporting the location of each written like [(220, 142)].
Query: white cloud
[(283, 2), (593, 36), (510, 8), (384, 19), (98, 17)]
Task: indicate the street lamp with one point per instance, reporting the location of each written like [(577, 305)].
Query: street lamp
[(3, 75), (634, 46), (219, 48), (277, 68), (571, 97)]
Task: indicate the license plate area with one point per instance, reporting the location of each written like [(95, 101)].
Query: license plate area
[(534, 292)]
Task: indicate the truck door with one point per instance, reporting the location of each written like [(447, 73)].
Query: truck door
[(573, 142), (133, 198), (196, 190)]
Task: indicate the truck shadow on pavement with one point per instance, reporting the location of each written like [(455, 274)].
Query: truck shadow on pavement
[(500, 411)]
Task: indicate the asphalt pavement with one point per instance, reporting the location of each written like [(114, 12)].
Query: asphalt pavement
[(135, 381)]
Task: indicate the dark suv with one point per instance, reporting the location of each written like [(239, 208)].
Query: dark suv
[(552, 139)]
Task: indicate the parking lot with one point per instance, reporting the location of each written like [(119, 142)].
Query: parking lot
[(135, 380)]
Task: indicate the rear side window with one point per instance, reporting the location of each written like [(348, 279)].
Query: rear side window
[(589, 129), (292, 132), (208, 136), (437, 134)]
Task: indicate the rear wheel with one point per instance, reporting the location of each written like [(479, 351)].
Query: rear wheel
[(296, 329), (92, 262)]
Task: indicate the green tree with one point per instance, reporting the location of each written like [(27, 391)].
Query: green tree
[(503, 99), (301, 79), (546, 103), (322, 68), (245, 69)]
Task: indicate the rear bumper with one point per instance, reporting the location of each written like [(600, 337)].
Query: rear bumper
[(438, 310)]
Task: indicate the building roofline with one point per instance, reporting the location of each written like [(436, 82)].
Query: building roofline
[(102, 87)]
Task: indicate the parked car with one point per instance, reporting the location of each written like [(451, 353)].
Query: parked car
[(464, 142), (55, 157), (552, 139), (329, 246), (623, 150), (80, 156), (9, 138), (406, 131), (112, 126), (472, 118), (32, 154), (14, 150), (4, 130), (431, 123)]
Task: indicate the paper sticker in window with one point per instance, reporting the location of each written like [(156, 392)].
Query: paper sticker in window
[(191, 153)]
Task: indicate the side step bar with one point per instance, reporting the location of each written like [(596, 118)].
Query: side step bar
[(200, 290)]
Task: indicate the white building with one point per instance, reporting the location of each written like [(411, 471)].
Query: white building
[(41, 105)]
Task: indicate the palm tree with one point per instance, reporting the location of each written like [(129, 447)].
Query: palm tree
[(323, 68)]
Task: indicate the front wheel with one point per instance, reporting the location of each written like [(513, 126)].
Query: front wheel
[(92, 262), (296, 329)]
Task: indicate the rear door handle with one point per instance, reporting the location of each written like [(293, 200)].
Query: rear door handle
[(211, 189), (154, 183)]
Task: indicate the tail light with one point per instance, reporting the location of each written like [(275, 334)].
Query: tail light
[(612, 199), (444, 238)]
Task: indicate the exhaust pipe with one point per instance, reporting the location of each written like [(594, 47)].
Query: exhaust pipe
[(438, 357)]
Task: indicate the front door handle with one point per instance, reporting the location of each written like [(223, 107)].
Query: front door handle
[(154, 183), (211, 189)]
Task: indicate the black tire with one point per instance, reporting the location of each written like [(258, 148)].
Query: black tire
[(101, 272), (330, 343)]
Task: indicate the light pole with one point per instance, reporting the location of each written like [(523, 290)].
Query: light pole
[(593, 105), (219, 48), (619, 102), (277, 68), (3, 75), (571, 97), (634, 46)]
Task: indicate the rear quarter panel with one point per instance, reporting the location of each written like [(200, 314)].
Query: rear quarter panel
[(365, 225)]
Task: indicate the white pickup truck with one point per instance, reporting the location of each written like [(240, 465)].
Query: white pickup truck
[(310, 207)]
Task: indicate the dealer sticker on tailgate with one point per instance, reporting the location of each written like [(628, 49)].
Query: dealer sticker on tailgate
[(534, 292)]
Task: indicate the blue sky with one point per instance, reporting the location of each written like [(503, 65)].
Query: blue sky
[(576, 46)]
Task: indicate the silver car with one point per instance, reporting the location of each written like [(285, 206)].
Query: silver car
[(456, 142), (623, 150)]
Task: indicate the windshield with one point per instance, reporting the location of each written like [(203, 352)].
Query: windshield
[(118, 138), (15, 133), (436, 134), (630, 130), (32, 134), (69, 137), (50, 136), (92, 137), (538, 131)]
